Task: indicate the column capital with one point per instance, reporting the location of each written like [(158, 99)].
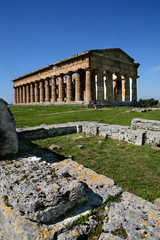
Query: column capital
[(134, 76), (53, 76), (69, 73), (89, 69), (61, 75)]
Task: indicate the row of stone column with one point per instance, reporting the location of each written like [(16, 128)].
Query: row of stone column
[(49, 91), (88, 85), (115, 87)]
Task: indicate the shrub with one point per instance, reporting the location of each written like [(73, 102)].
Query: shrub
[(148, 102)]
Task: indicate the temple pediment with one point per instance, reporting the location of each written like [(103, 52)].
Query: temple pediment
[(116, 53)]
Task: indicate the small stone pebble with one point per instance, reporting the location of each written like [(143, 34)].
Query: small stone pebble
[(54, 147), (79, 146)]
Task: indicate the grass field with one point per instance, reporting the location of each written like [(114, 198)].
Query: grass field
[(135, 168), (37, 115)]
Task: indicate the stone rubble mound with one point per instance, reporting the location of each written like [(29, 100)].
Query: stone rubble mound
[(8, 134), (37, 193)]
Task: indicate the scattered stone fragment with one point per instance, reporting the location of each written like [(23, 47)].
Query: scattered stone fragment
[(79, 146), (54, 147), (80, 137), (157, 202), (8, 134)]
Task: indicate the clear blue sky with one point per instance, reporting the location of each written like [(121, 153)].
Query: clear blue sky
[(35, 33)]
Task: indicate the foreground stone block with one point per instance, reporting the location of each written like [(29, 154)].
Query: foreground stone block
[(100, 184), (37, 193), (30, 188), (145, 124), (8, 135)]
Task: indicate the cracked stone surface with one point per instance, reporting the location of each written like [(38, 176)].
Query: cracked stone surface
[(138, 217), (36, 192)]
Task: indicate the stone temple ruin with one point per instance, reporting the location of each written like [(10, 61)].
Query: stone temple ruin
[(108, 76)]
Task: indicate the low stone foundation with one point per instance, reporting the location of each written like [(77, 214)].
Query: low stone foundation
[(121, 133), (138, 123)]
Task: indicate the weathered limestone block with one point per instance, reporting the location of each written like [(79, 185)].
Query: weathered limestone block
[(32, 133), (61, 129), (28, 188), (153, 138), (99, 184), (47, 131), (90, 128), (136, 137), (136, 216), (8, 135), (111, 130), (145, 124), (37, 193)]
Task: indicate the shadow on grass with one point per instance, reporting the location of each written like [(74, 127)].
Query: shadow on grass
[(29, 149)]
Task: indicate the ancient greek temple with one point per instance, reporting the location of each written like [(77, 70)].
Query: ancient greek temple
[(101, 75)]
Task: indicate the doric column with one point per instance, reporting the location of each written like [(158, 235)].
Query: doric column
[(61, 88), (20, 94), (88, 85), (53, 89), (31, 92), (78, 87), (27, 94), (93, 83), (100, 86), (134, 89), (15, 95), (125, 88), (69, 86), (41, 88), (47, 98), (119, 87), (24, 94), (36, 92), (109, 91), (17, 90)]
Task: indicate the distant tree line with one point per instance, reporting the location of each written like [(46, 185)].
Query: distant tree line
[(148, 102)]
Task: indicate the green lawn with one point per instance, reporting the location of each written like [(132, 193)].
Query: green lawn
[(134, 168), (37, 115)]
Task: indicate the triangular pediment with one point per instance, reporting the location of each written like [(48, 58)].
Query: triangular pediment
[(116, 53)]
